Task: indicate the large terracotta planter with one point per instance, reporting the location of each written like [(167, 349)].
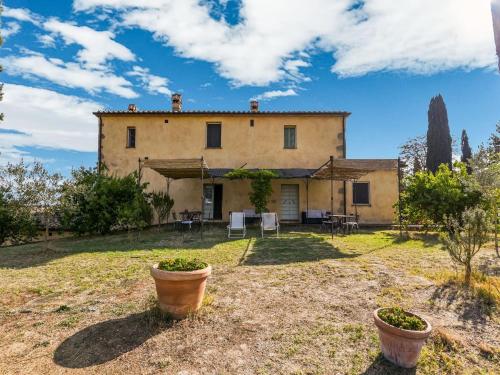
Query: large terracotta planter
[(400, 346), (180, 293)]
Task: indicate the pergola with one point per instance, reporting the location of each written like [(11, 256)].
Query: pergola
[(333, 170), (177, 169)]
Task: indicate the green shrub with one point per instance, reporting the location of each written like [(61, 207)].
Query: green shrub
[(94, 202), (181, 264), (399, 318), (435, 198)]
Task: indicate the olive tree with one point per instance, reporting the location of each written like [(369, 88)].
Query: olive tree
[(46, 189), (162, 204), (464, 240)]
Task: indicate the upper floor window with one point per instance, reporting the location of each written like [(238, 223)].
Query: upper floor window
[(290, 136), (214, 135), (130, 137), (360, 193)]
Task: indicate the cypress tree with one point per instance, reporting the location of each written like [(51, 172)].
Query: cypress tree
[(438, 135), (466, 150)]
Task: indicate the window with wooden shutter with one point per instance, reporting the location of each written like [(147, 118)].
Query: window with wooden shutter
[(361, 193), (290, 137), (213, 135), (130, 137)]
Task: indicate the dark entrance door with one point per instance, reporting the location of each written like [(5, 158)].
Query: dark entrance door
[(218, 202), (213, 201)]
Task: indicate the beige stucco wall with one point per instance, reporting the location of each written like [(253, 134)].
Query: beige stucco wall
[(383, 194), (260, 146)]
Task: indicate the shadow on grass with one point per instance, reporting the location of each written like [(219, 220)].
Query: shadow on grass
[(427, 239), (31, 255), (294, 248), (381, 366), (471, 307), (105, 341)]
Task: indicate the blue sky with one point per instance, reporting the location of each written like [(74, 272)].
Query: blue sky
[(374, 58)]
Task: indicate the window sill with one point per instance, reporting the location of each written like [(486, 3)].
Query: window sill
[(289, 148), (130, 148), (361, 204), (213, 148)]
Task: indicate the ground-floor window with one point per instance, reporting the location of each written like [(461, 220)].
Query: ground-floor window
[(361, 193)]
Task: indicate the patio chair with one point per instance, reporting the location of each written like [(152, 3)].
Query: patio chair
[(236, 223), (270, 223), (350, 225)]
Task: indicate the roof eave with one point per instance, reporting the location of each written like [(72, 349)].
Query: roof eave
[(222, 113)]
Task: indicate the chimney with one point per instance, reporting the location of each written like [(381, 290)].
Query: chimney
[(254, 106), (132, 108), (176, 102)]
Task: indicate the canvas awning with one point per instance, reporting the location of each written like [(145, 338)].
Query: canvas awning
[(178, 168), (351, 169)]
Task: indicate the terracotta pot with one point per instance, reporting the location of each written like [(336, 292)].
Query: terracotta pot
[(401, 346), (180, 293)]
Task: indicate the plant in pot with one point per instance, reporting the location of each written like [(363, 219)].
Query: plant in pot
[(180, 285), (402, 335)]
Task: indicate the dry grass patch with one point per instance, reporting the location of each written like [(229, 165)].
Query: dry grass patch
[(298, 304)]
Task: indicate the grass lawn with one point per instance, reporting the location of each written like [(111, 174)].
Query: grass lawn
[(300, 304)]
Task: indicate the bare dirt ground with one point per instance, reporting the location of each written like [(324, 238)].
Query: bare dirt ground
[(301, 304)]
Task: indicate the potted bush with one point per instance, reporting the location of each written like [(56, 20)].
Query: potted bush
[(180, 285), (402, 335)]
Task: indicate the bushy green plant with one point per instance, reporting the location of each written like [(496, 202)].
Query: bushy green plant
[(260, 184), (181, 264), (435, 198), (399, 318), (94, 202)]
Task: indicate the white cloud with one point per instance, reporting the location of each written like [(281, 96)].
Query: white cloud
[(46, 40), (11, 28), (152, 84), (51, 120), (98, 46), (268, 45), (67, 74), (21, 14), (423, 36), (268, 95)]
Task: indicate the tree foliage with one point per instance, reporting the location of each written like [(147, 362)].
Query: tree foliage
[(413, 154), (485, 167), (162, 204), (464, 240), (466, 150), (18, 200), (439, 141), (435, 198), (95, 202), (260, 184)]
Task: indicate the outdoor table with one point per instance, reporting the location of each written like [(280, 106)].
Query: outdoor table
[(340, 219)]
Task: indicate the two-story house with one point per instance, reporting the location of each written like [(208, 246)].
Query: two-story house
[(292, 143)]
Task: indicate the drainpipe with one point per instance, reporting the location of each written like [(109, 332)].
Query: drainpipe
[(99, 142)]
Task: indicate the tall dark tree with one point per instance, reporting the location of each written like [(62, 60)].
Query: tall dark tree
[(466, 150), (439, 142)]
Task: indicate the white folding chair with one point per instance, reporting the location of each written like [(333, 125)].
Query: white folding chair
[(236, 223), (270, 223)]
